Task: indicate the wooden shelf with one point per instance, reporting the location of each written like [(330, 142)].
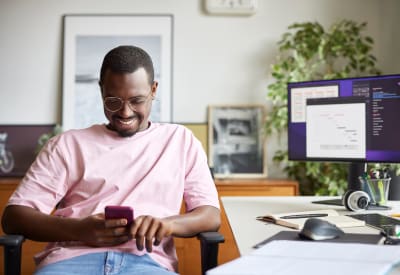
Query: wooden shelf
[(257, 187)]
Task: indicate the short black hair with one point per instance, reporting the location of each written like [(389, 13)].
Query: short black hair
[(127, 59)]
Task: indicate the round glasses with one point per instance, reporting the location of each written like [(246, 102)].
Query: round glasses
[(114, 104)]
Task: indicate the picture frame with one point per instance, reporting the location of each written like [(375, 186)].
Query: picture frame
[(236, 142), (87, 39), (19, 147)]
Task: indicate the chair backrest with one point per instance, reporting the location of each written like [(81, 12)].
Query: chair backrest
[(212, 172)]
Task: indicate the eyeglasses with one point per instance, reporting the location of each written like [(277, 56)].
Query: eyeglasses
[(114, 104)]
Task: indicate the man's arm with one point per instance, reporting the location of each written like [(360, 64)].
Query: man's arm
[(93, 230), (200, 219)]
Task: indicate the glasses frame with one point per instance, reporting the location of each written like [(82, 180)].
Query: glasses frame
[(133, 107)]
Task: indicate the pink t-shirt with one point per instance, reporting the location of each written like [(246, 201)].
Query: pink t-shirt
[(82, 171)]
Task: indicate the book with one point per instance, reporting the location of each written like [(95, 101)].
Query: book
[(296, 220)]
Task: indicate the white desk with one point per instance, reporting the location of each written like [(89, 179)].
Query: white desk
[(247, 231)]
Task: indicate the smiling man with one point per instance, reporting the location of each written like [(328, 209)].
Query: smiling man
[(127, 89), (131, 161)]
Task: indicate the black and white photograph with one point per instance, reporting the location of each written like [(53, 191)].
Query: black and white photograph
[(236, 142), (88, 38)]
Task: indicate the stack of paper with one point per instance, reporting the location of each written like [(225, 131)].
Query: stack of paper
[(294, 257)]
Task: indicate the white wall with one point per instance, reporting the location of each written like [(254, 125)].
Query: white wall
[(217, 59)]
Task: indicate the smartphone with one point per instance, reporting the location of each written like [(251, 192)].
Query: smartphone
[(118, 212)]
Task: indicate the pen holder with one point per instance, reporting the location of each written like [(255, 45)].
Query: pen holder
[(378, 189)]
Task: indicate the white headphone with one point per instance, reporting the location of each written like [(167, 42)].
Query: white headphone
[(355, 200)]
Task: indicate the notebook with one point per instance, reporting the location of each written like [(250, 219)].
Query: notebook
[(330, 215)]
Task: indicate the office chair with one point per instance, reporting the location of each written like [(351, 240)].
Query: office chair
[(209, 243)]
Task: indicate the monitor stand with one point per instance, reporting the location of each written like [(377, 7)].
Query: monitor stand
[(356, 169)]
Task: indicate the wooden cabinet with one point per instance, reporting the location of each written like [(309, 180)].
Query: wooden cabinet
[(188, 250)]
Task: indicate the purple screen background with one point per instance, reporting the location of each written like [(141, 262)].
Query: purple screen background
[(385, 90)]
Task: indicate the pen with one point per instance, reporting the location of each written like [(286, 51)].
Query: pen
[(300, 216)]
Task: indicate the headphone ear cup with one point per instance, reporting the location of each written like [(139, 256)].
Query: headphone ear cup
[(345, 199), (355, 200)]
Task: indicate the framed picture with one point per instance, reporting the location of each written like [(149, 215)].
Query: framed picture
[(236, 141), (87, 39), (18, 147)]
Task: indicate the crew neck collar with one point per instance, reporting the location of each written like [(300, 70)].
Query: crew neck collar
[(116, 135)]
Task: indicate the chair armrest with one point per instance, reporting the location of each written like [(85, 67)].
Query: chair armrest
[(209, 242), (11, 240), (12, 253)]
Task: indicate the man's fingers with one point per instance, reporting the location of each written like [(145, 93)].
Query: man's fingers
[(149, 231), (138, 231), (149, 245), (161, 233), (110, 223)]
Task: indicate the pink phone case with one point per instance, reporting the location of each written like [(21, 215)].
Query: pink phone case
[(117, 212)]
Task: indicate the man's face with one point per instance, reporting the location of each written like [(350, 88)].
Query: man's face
[(127, 101)]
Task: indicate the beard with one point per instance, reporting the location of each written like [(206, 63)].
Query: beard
[(127, 133), (116, 124)]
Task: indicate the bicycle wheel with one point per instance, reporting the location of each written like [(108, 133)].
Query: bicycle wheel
[(7, 162)]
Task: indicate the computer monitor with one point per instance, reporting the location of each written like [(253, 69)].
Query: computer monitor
[(354, 120)]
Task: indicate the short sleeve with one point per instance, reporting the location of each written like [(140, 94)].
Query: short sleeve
[(199, 185), (44, 184)]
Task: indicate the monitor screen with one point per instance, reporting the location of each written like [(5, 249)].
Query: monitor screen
[(352, 119)]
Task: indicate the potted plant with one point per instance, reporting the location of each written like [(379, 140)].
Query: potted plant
[(310, 52)]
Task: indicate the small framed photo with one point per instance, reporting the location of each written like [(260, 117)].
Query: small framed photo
[(236, 141), (87, 39)]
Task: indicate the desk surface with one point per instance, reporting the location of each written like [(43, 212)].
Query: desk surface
[(247, 231)]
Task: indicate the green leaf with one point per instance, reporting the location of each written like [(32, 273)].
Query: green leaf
[(308, 52)]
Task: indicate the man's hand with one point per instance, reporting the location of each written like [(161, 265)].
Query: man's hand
[(149, 231), (97, 231)]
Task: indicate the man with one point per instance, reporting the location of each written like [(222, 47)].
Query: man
[(130, 161)]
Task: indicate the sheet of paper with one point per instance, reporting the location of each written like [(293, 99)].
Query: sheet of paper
[(293, 257)]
